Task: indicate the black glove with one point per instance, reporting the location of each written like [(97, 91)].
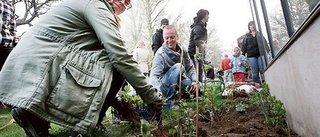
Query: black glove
[(156, 109)]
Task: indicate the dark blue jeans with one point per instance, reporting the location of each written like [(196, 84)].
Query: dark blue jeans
[(256, 67), (170, 81)]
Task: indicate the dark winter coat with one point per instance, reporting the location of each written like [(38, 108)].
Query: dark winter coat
[(157, 40), (253, 46), (198, 37)]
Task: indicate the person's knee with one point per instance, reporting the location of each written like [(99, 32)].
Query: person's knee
[(177, 65)]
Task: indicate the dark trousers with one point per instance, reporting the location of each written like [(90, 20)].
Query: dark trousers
[(116, 84), (4, 53)]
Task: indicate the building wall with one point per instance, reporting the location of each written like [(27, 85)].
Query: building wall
[(293, 77)]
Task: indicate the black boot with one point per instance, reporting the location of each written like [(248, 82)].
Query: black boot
[(75, 134), (32, 125)]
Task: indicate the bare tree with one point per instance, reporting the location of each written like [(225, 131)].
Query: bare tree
[(33, 9), (312, 4), (213, 48), (142, 20), (299, 10)]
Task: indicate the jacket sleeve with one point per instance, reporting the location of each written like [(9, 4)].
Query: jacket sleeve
[(232, 61), (244, 60), (198, 35), (221, 65), (157, 71), (156, 42), (244, 45), (100, 18)]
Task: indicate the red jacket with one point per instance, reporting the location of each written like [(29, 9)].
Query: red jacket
[(225, 64)]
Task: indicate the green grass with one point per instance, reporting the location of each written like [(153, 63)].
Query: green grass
[(14, 130)]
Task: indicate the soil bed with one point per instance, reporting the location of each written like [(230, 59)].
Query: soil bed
[(232, 123), (251, 123)]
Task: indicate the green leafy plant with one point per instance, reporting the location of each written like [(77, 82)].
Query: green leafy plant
[(260, 98), (277, 114), (241, 107), (128, 98), (145, 128)]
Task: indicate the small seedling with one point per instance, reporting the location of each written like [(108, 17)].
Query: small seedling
[(241, 107)]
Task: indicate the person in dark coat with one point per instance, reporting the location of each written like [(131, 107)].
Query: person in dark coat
[(198, 38), (157, 38), (254, 48)]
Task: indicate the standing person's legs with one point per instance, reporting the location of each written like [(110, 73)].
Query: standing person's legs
[(239, 77), (4, 53), (200, 69), (228, 75), (225, 76), (261, 68), (253, 61)]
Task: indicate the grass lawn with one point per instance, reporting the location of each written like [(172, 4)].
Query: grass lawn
[(14, 130)]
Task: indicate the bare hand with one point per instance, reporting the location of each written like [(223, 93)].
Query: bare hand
[(193, 88)]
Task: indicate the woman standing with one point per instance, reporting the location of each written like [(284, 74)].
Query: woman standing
[(253, 49), (142, 56), (198, 38)]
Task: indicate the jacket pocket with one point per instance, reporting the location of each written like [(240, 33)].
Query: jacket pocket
[(74, 91)]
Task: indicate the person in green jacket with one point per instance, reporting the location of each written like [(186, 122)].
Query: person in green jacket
[(68, 68)]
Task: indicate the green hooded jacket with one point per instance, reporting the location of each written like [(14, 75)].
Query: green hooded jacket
[(62, 68)]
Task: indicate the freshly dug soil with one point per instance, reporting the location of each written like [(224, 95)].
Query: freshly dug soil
[(251, 123), (232, 123)]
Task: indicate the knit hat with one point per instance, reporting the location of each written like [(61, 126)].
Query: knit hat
[(164, 21)]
